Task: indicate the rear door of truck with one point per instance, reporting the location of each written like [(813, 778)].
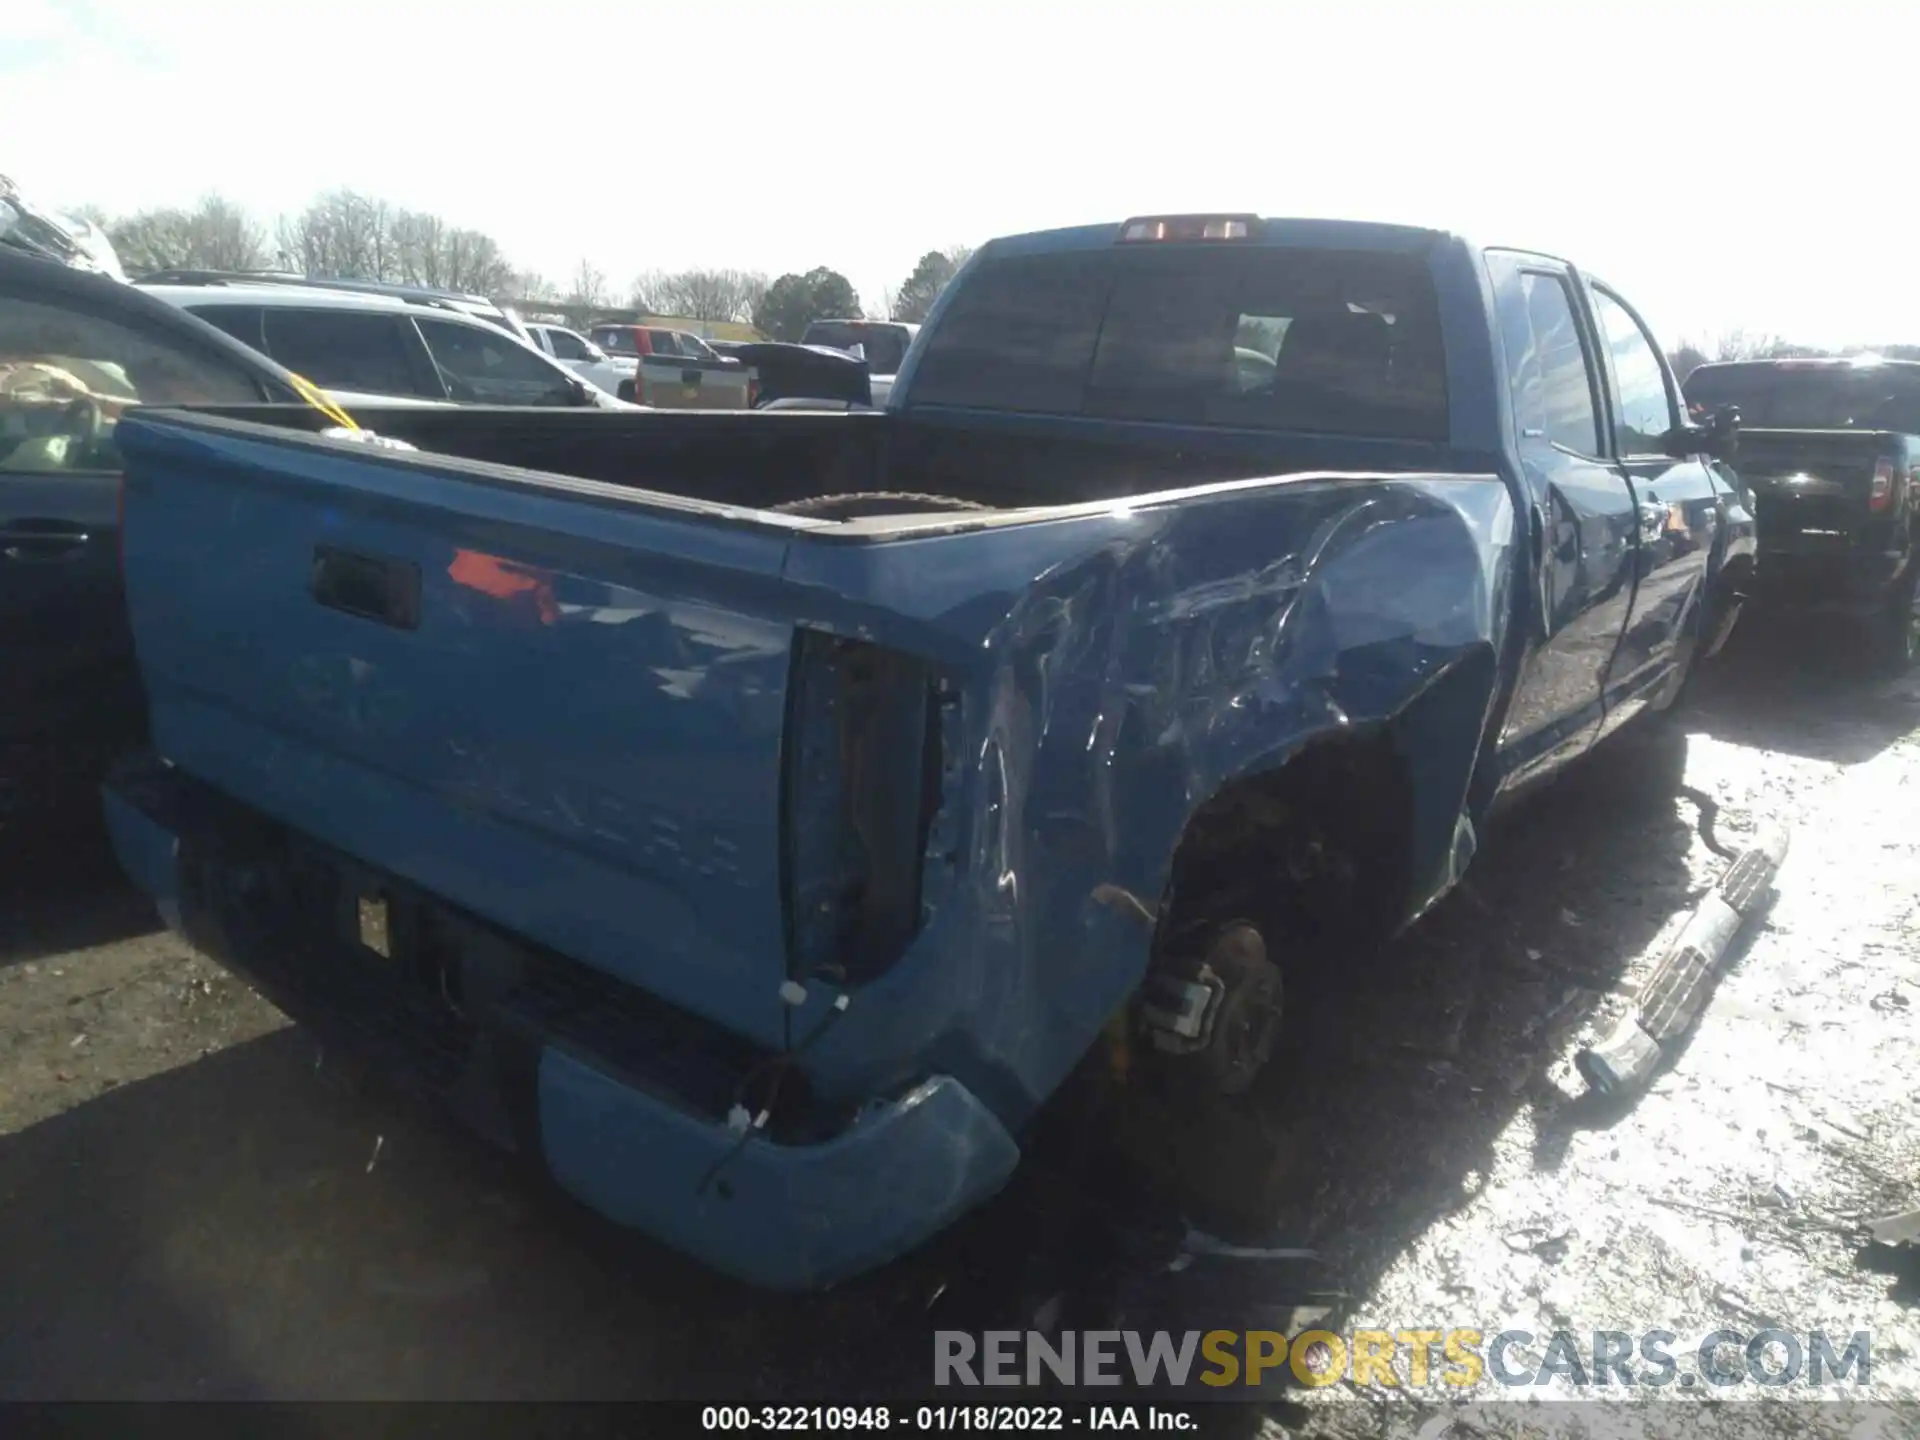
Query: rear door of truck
[(1676, 506), (1587, 535)]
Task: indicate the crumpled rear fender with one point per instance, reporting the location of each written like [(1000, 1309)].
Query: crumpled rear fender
[(1121, 672)]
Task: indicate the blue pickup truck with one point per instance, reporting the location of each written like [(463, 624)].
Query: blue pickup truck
[(757, 818)]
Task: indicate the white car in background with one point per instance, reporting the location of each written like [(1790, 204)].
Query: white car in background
[(583, 357), (372, 345)]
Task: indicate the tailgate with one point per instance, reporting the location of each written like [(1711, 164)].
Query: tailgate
[(562, 711), (1811, 486), (669, 383)]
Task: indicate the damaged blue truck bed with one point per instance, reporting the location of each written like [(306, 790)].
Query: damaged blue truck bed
[(755, 819)]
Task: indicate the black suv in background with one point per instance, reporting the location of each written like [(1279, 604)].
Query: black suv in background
[(1830, 450)]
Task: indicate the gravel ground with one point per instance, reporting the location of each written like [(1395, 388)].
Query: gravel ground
[(194, 1202)]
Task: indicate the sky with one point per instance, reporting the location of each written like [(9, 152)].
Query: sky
[(1723, 166)]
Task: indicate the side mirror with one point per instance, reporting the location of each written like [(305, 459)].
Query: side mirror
[(1723, 432), (1718, 438)]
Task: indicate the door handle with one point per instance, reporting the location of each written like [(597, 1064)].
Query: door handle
[(31, 540), (371, 587)]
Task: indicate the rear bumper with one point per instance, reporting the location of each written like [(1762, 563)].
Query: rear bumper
[(787, 1216), (1847, 583)]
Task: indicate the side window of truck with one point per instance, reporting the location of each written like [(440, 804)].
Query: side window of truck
[(1549, 374), (67, 376), (1643, 410), (566, 345)]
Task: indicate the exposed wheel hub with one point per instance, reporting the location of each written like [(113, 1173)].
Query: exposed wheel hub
[(1222, 1012)]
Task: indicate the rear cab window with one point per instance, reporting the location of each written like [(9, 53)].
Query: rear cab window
[(1266, 337), (1811, 397), (614, 340)]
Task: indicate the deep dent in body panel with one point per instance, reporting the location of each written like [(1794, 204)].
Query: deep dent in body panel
[(1125, 686)]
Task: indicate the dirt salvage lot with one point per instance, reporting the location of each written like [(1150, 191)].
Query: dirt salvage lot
[(194, 1203)]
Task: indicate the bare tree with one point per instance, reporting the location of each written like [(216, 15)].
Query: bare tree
[(348, 235), (227, 236), (420, 248), (215, 234), (589, 287), (152, 240), (699, 294), (1685, 358), (526, 285), (345, 235), (1740, 344), (475, 263)]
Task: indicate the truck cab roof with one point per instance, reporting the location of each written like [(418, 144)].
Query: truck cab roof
[(1346, 234)]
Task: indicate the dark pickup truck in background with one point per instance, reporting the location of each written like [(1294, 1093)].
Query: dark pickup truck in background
[(755, 819), (1831, 452), (882, 344)]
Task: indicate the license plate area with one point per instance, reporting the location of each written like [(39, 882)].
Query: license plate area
[(375, 925)]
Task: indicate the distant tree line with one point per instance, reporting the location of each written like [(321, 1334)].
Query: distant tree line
[(347, 235)]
